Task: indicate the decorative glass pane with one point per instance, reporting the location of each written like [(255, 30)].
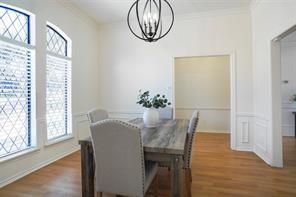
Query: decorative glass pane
[(15, 98), (14, 25), (55, 42), (58, 75)]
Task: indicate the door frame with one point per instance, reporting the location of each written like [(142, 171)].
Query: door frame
[(233, 90), (276, 97)]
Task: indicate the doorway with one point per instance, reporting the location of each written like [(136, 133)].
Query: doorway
[(206, 84), (283, 60)]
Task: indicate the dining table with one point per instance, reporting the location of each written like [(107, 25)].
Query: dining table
[(164, 144)]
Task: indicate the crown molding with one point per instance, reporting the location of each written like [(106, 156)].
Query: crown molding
[(84, 17), (215, 13), (192, 16), (254, 4)]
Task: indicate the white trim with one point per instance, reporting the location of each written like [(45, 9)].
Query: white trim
[(213, 13), (203, 108), (185, 17), (213, 131), (254, 4), (84, 17), (18, 154), (245, 114), (36, 167), (245, 130), (59, 139)]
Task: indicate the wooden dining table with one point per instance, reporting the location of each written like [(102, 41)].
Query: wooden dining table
[(163, 144)]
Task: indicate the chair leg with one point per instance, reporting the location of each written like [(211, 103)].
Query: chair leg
[(99, 194), (187, 182), (190, 175), (156, 185)]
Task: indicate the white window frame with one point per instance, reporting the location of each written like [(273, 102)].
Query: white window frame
[(69, 134), (32, 47)]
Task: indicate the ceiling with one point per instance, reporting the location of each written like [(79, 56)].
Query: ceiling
[(105, 11)]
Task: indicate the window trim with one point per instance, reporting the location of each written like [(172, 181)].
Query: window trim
[(30, 45), (68, 56), (31, 23), (23, 13)]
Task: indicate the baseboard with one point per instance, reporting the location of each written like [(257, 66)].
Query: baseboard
[(248, 149), (214, 131), (36, 167), (262, 155)]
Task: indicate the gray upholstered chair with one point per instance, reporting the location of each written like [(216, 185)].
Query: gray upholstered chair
[(166, 113), (96, 115), (119, 158), (188, 149)]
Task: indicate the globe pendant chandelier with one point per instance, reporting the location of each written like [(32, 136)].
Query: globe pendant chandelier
[(150, 25)]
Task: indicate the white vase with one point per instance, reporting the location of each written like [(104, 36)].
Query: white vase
[(150, 117)]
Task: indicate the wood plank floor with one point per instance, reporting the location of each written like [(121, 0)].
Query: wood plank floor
[(217, 171)]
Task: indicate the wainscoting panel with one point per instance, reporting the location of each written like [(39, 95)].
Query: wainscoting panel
[(262, 139), (244, 131)]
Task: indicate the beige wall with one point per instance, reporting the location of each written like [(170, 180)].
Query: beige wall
[(203, 83)]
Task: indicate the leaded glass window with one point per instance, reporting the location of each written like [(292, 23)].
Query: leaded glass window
[(58, 73), (15, 82)]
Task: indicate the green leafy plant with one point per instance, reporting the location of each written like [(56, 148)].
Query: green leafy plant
[(293, 98), (156, 101)]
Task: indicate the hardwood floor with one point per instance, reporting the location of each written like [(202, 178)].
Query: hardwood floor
[(216, 171)]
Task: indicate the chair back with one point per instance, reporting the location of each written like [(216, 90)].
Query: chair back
[(119, 158), (165, 113), (190, 139), (96, 115)]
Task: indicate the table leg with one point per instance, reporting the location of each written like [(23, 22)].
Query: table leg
[(176, 176), (87, 171), (295, 123)]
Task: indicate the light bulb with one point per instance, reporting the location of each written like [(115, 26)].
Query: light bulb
[(149, 16), (155, 18), (145, 19)]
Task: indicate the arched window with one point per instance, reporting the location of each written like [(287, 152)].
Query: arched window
[(17, 110), (58, 84)]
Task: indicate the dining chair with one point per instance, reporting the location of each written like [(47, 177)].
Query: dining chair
[(188, 150), (96, 115), (119, 159), (165, 113)]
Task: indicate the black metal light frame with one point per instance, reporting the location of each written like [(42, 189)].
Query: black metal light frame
[(158, 32)]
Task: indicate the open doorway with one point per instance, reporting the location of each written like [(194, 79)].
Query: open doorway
[(205, 83), (283, 53)]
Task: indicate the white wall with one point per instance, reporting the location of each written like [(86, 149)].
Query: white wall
[(269, 19), (129, 64), (203, 83), (288, 68), (84, 34)]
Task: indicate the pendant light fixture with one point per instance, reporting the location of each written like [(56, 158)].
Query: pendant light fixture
[(149, 26)]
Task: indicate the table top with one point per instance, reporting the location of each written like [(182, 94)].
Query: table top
[(168, 137)]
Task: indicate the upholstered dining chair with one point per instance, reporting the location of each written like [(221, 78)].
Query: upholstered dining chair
[(188, 150), (119, 159), (165, 113), (96, 115)]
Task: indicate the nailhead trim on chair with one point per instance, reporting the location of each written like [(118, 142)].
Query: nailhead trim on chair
[(189, 143), (140, 138)]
